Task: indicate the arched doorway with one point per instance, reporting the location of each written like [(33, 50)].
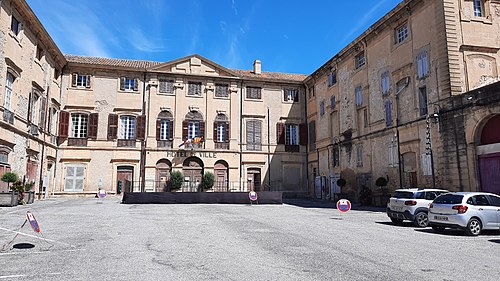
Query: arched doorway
[(253, 179), (192, 169), (221, 171), (489, 156), (163, 168)]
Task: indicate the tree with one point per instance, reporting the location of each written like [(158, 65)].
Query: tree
[(341, 182), (381, 182), (9, 177), (176, 180), (208, 180)]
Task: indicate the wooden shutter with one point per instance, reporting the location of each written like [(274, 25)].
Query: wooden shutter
[(216, 135), (303, 134), (184, 130), (141, 127), (92, 125), (74, 77), (280, 136), (285, 95), (202, 130), (227, 133), (122, 83), (296, 98), (112, 126), (63, 124), (87, 81), (41, 120), (163, 86), (136, 84), (158, 129), (171, 130), (250, 133), (258, 134)]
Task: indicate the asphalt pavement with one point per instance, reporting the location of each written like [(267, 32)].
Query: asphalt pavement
[(81, 239)]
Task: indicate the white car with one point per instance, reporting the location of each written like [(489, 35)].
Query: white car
[(470, 211), (412, 204)]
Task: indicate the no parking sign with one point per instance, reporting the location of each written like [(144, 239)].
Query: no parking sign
[(343, 205), (33, 222)]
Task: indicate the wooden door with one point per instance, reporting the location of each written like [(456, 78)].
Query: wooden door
[(125, 179), (489, 167)]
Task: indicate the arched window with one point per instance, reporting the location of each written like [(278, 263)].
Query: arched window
[(164, 126), (221, 129), (193, 129)]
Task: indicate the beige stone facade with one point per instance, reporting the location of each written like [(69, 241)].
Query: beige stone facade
[(411, 100)]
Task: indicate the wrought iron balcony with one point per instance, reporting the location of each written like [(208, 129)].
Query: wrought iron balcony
[(222, 145)]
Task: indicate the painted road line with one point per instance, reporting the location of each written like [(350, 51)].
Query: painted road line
[(33, 236)]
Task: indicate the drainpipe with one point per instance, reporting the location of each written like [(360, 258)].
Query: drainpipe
[(307, 146), (57, 144), (268, 148), (241, 135), (40, 182), (143, 142)]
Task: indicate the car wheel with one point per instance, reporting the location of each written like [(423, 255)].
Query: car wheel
[(473, 227), (396, 221), (438, 229), (421, 219)]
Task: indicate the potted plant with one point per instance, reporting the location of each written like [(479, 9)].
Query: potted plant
[(381, 183), (9, 198), (176, 180), (341, 183), (18, 188), (31, 194), (207, 181)]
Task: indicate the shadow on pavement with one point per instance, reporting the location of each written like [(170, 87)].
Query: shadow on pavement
[(403, 224), (495, 241), (458, 232), (325, 204)]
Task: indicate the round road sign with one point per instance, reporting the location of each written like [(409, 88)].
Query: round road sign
[(343, 205), (33, 222), (252, 195), (101, 193)]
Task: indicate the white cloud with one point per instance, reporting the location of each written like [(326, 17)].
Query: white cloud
[(362, 22)]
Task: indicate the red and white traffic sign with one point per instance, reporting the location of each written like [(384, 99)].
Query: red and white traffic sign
[(252, 195), (101, 193), (33, 222), (343, 205)]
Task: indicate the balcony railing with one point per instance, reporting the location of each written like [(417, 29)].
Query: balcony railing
[(77, 142), (222, 145), (164, 143), (193, 145), (126, 143), (8, 116)]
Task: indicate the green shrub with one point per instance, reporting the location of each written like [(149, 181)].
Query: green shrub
[(381, 182), (176, 179), (341, 182), (208, 180), (9, 178)]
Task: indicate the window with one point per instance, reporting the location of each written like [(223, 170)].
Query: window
[(15, 25), (291, 95), (254, 135), (336, 155), (166, 86), (393, 154), (254, 93), (39, 53), (311, 92), (221, 129), (359, 155), (221, 90), (80, 80), (359, 60), (79, 125), (388, 113), (423, 64), (365, 118), (4, 157), (129, 84), (292, 134), (194, 88), (312, 135), (7, 102), (478, 200), (193, 129), (422, 100), (34, 105), (75, 178), (221, 132), (358, 96), (332, 78), (478, 8), (386, 82), (164, 129), (495, 200), (401, 33), (322, 108), (127, 128), (333, 101)]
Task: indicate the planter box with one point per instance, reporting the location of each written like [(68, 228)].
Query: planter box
[(8, 199), (29, 197)]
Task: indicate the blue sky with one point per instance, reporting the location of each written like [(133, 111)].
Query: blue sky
[(287, 36)]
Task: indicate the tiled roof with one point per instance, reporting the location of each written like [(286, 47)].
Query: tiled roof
[(271, 75), (142, 64), (139, 64)]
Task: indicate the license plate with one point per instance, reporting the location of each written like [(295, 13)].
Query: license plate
[(441, 218), (397, 209)]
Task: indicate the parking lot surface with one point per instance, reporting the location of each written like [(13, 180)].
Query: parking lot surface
[(81, 239)]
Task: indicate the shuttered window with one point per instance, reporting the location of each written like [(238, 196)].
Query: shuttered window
[(42, 113), (332, 78), (166, 86), (129, 84), (254, 93), (358, 96), (79, 125), (92, 125), (322, 107), (422, 64), (127, 127), (221, 132), (194, 129), (7, 102), (312, 135), (388, 113), (359, 60), (359, 155), (254, 135), (63, 124), (80, 80), (221, 90), (74, 180), (292, 134), (291, 95), (112, 126), (164, 129), (194, 88), (385, 82), (333, 102), (164, 126), (422, 100)]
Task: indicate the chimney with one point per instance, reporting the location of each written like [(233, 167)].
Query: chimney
[(257, 67)]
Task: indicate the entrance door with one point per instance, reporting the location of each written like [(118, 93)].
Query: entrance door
[(124, 179), (489, 165), (163, 168), (193, 171), (221, 177), (253, 179)]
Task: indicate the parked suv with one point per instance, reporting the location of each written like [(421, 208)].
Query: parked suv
[(412, 204), (470, 211)]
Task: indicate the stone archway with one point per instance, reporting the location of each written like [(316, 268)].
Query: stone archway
[(163, 169), (488, 150), (221, 173), (192, 169)]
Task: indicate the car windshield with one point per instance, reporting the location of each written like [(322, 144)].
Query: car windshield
[(403, 194), (449, 199)]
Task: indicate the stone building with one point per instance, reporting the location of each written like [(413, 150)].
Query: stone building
[(387, 104), (30, 68)]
